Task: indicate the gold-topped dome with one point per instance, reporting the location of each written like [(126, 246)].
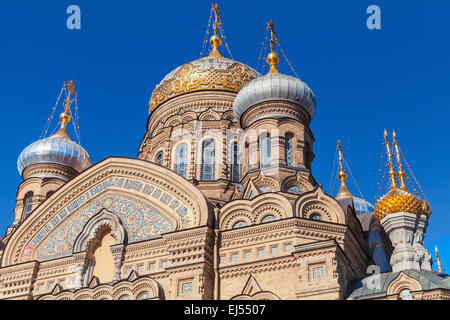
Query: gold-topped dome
[(398, 199), (210, 73)]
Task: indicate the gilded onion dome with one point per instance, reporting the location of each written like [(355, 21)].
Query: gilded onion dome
[(56, 149), (210, 73), (398, 199)]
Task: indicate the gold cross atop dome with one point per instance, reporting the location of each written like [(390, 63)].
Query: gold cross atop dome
[(342, 176), (272, 57), (66, 115), (215, 40), (398, 199)]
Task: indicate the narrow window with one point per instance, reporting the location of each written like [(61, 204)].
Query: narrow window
[(265, 151), (159, 158), (318, 272), (235, 166), (180, 159), (208, 160), (28, 204), (288, 151)]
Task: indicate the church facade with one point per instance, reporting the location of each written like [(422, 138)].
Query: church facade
[(220, 204)]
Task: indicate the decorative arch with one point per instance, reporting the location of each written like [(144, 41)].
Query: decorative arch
[(264, 181), (252, 291), (90, 230), (253, 211), (133, 287), (403, 282), (317, 202), (300, 180), (209, 115), (151, 184)]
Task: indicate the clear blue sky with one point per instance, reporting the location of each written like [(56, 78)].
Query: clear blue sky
[(364, 80)]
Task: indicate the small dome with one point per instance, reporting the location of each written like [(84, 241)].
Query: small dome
[(397, 200), (362, 206), (210, 73), (57, 149), (272, 87)]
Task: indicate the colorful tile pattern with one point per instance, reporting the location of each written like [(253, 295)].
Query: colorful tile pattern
[(265, 189), (240, 224), (288, 149), (295, 190), (140, 220)]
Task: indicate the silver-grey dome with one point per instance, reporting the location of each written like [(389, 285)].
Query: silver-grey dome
[(55, 149), (274, 87)]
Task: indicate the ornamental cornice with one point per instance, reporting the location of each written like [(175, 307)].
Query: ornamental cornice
[(310, 226), (264, 108), (49, 168), (194, 102), (258, 267)]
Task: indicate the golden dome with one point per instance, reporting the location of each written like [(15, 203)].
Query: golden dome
[(397, 200), (210, 73)]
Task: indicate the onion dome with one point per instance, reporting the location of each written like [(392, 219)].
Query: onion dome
[(274, 87), (398, 199), (210, 73), (56, 149)]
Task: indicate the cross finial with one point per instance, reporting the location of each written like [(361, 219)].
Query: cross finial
[(215, 40), (215, 9), (342, 176), (272, 58), (438, 260), (401, 173), (391, 172)]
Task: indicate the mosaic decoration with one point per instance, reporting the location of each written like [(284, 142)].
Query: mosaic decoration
[(251, 196), (140, 220), (268, 218), (186, 288), (288, 149), (295, 190), (240, 224), (168, 202), (265, 189), (315, 216)]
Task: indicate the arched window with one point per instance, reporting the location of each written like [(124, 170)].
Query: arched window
[(125, 297), (28, 204), (159, 158), (235, 166), (181, 159), (240, 224), (288, 151), (208, 159), (143, 296), (406, 295), (265, 151), (268, 218), (315, 216)]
